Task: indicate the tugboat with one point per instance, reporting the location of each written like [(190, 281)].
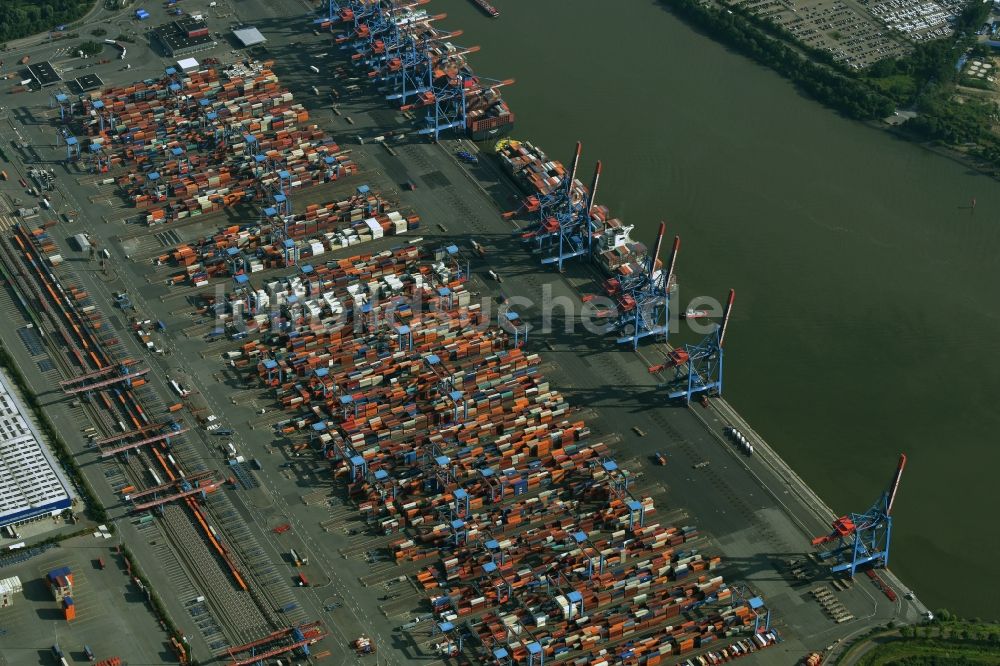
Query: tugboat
[(487, 7)]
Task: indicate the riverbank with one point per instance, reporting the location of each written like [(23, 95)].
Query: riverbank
[(956, 640), (969, 161), (847, 92)]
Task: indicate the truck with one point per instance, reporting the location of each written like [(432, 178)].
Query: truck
[(88, 652), (301, 580), (178, 388), (81, 242), (3, 174)]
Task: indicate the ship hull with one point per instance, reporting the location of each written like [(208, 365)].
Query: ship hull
[(491, 128)]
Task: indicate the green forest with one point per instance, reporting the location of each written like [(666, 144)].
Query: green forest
[(947, 641), (21, 18)]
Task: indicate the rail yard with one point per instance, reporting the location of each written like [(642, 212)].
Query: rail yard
[(279, 305)]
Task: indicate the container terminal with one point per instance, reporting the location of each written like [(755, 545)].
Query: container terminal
[(276, 303)]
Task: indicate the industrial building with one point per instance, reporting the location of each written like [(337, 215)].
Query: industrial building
[(186, 35), (89, 82), (44, 74), (249, 36), (30, 483)]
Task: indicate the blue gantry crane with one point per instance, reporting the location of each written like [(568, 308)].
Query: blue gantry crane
[(643, 296), (564, 228), (356, 16), (863, 538), (61, 99), (275, 185), (449, 85), (333, 14), (698, 368), (372, 38), (419, 68)]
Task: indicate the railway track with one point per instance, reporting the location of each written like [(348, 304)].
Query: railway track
[(246, 610)]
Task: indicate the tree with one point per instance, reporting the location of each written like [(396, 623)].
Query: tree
[(21, 18), (91, 48)]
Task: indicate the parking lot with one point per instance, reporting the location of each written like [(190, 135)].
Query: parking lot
[(108, 606), (858, 33)]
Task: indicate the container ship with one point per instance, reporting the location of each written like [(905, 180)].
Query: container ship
[(487, 8), (489, 116), (537, 176)]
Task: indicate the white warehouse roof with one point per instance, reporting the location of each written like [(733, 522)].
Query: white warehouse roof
[(249, 36), (31, 484), (9, 586), (187, 63)]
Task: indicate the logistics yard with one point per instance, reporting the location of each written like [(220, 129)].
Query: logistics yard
[(438, 480)]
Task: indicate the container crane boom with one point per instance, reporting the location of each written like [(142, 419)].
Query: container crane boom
[(593, 189), (656, 249), (672, 262), (572, 171), (894, 486), (725, 317)]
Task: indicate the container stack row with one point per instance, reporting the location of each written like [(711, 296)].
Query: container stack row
[(194, 143), (306, 237), (514, 521)]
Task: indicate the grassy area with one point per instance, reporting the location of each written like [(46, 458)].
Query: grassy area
[(974, 82), (896, 86), (947, 641)]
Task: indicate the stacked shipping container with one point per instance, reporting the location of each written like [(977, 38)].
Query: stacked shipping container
[(201, 141), (449, 437)]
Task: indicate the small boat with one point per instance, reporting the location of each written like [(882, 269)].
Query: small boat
[(487, 7), (695, 314)]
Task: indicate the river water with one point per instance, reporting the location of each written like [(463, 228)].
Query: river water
[(866, 297)]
